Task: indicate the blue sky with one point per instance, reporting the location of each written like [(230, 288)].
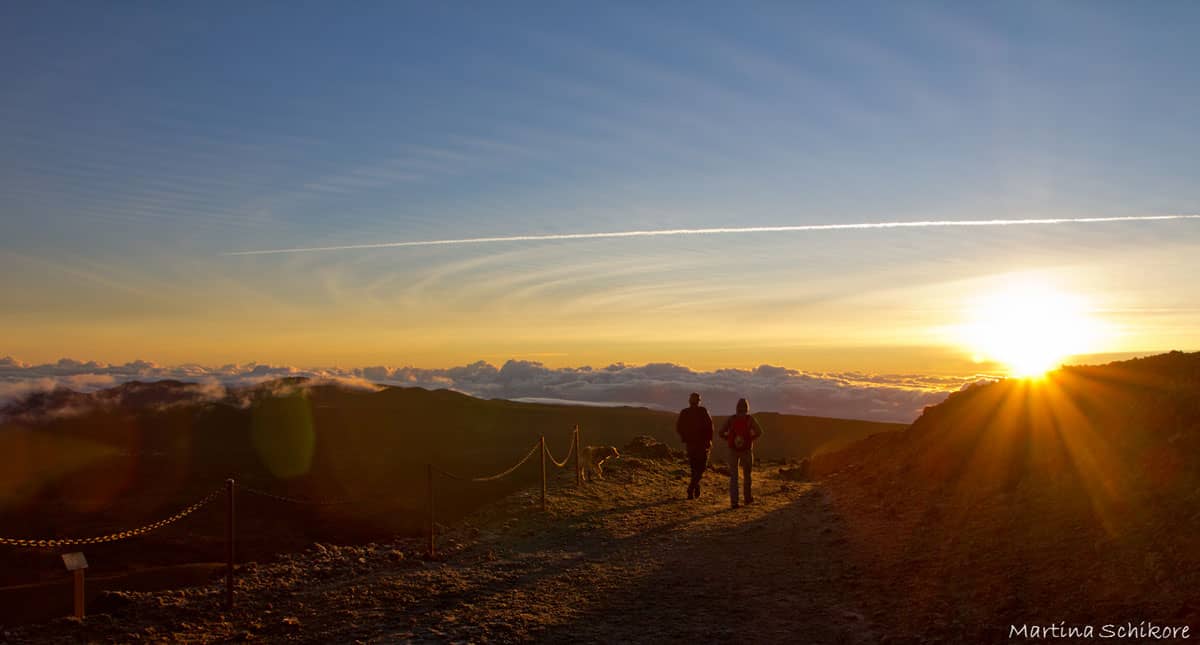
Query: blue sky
[(143, 142)]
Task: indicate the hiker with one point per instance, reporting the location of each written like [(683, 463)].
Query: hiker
[(695, 428), (740, 431)]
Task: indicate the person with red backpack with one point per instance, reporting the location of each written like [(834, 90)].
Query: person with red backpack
[(695, 428), (740, 431)]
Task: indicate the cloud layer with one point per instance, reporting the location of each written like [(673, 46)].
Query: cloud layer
[(663, 386)]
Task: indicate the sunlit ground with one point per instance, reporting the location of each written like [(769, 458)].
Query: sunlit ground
[(1031, 328)]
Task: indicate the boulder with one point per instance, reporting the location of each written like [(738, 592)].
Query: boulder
[(109, 602), (647, 448), (797, 473)]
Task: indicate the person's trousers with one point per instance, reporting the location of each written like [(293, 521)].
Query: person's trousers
[(746, 459), (698, 459)]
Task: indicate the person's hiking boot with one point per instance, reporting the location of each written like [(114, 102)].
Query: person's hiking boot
[(690, 494), (734, 505), (748, 501)]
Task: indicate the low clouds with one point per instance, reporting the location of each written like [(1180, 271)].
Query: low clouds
[(663, 386), (666, 386)]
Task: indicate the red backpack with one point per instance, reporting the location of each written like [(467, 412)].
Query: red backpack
[(741, 433)]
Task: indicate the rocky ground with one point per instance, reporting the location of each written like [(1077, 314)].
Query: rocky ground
[(626, 559)]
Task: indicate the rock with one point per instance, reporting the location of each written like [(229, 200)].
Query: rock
[(647, 448), (798, 473), (110, 601)]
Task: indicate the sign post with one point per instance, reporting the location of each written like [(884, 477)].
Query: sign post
[(77, 564), (429, 486), (229, 536)]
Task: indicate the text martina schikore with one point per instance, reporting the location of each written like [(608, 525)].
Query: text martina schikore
[(1144, 630)]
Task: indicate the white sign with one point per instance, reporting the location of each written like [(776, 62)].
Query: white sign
[(74, 561)]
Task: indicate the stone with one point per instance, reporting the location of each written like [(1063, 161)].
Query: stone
[(647, 448)]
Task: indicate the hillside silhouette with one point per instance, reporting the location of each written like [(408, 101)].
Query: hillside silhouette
[(78, 464), (1074, 498)]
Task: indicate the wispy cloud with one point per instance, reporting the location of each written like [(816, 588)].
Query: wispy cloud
[(727, 231)]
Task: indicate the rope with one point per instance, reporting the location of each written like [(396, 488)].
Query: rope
[(308, 502), (565, 460), (113, 537), (524, 459), (142, 530)]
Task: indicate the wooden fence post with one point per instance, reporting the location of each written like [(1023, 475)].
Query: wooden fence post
[(229, 535), (543, 444), (578, 471), (429, 485), (79, 595)]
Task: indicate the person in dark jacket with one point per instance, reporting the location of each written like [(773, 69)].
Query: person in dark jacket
[(695, 428)]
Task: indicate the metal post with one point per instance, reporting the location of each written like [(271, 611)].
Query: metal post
[(229, 515), (429, 483), (543, 473), (78, 592), (578, 472)]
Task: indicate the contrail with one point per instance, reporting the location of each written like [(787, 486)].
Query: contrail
[(724, 231)]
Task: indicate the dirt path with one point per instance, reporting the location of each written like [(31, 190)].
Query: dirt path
[(654, 567), (624, 560)]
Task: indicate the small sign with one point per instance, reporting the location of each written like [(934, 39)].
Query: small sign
[(74, 561)]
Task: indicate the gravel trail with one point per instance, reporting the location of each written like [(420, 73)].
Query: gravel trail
[(626, 559)]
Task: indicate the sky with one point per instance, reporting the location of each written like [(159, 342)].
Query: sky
[(148, 146)]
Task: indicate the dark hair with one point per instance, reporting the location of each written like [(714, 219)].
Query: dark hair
[(743, 406)]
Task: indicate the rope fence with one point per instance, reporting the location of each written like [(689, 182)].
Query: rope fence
[(229, 488), (565, 460), (491, 478), (112, 537), (539, 447)]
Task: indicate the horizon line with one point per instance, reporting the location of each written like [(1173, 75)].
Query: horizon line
[(99, 364), (722, 231)]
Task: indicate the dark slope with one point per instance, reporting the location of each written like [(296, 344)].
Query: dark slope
[(1076, 498), (83, 464)]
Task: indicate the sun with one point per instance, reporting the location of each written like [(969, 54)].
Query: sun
[(1030, 327)]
